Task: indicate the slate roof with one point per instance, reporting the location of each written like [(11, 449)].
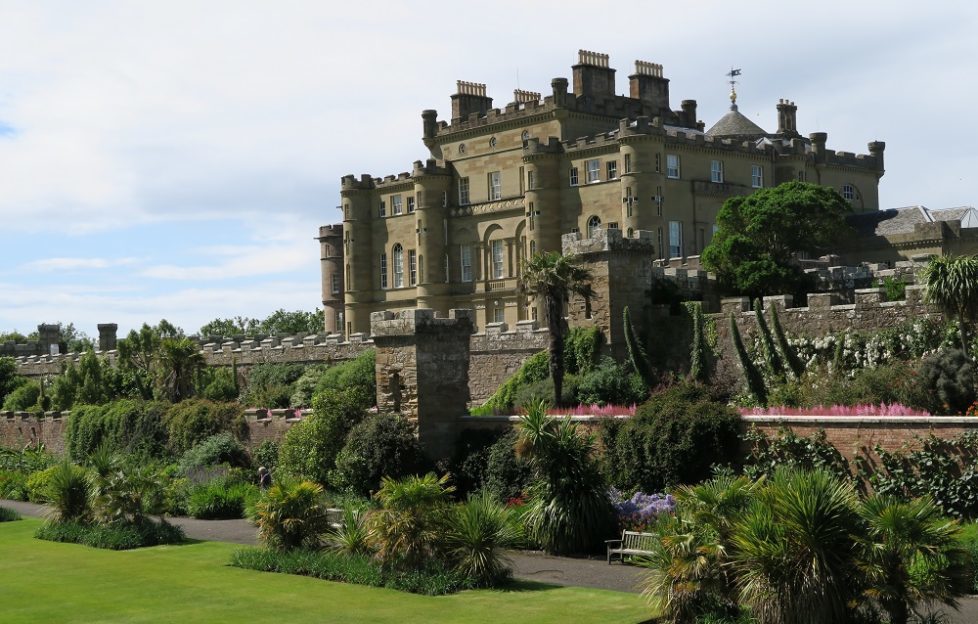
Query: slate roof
[(735, 124), (903, 220)]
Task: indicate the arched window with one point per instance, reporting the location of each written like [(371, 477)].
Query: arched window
[(397, 259), (848, 192), (593, 225)]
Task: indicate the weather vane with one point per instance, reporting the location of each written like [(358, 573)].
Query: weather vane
[(733, 73)]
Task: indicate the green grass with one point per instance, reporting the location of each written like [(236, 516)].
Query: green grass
[(51, 582)]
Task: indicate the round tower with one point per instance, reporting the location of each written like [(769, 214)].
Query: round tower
[(331, 266), (431, 187), (358, 206)]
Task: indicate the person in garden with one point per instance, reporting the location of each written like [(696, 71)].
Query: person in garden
[(264, 478)]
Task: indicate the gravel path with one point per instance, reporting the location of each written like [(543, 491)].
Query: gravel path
[(532, 566)]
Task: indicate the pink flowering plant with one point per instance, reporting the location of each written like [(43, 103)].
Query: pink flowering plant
[(641, 511), (883, 409), (593, 410)]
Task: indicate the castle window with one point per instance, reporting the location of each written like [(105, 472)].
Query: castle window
[(628, 163), (672, 166), (533, 248), (848, 192), (346, 211), (629, 200), (382, 212), (613, 225), (757, 176), (612, 166), (530, 217), (463, 191), (498, 267), (396, 204), (716, 171), (525, 135), (466, 255), (801, 176), (445, 266), (659, 246), (348, 275), (413, 267), (495, 185), (334, 283), (593, 170), (397, 259), (498, 314), (461, 148), (658, 163), (593, 225), (531, 179), (492, 142), (573, 176), (658, 201), (383, 271), (410, 201), (675, 239)]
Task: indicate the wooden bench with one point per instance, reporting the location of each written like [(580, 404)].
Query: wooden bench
[(632, 543)]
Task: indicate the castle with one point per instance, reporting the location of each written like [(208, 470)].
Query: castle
[(503, 184)]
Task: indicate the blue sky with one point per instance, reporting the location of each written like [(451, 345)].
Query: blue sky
[(174, 160)]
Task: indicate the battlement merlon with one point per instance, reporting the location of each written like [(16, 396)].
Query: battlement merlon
[(420, 321), (607, 239)]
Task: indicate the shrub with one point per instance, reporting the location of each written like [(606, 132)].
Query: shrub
[(305, 386), (352, 536), (468, 463), (408, 530), (507, 474), (8, 515), (609, 383), (191, 422), (219, 385), (291, 515), (383, 445), (479, 532), (266, 454), (221, 448), (127, 426), (270, 385), (38, 483), (221, 499), (9, 379), (310, 447), (359, 372), (126, 496), (641, 511), (24, 397), (28, 459), (950, 375), (13, 485), (69, 492), (535, 368), (115, 536), (789, 450), (675, 437), (531, 393)]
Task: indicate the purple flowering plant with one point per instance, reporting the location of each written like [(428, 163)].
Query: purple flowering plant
[(641, 511)]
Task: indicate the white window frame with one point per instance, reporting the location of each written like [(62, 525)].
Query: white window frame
[(628, 163), (675, 239), (592, 170), (673, 166), (593, 224), (465, 261), (383, 271), (413, 267), (499, 314), (397, 265), (848, 192), (498, 259), (574, 179), (756, 176), (495, 185), (612, 169), (397, 205), (463, 191), (410, 204), (716, 171)]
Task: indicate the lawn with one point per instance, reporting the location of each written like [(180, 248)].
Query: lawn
[(49, 582)]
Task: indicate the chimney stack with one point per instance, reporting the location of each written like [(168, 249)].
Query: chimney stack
[(648, 86), (592, 75), (470, 97), (787, 112)]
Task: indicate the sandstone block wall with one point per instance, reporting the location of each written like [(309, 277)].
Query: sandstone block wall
[(496, 355), (20, 429)]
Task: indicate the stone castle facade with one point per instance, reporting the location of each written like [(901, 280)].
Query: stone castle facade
[(502, 184)]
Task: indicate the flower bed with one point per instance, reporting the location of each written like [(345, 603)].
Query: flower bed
[(883, 409)]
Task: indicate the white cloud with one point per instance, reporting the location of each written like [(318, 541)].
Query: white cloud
[(73, 264)]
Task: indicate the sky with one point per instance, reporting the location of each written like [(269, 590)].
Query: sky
[(175, 159)]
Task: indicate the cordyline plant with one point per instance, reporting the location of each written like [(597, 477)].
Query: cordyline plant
[(951, 283)]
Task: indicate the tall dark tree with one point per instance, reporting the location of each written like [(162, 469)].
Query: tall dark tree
[(759, 235), (554, 277)]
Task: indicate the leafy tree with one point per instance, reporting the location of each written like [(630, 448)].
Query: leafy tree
[(139, 355), (297, 323), (9, 379), (951, 283), (759, 234), (554, 277), (179, 361), (230, 327)]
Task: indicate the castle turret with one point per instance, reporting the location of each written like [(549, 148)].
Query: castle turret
[(593, 76), (688, 116), (331, 265), (559, 88), (431, 187), (818, 140), (358, 209), (876, 151)]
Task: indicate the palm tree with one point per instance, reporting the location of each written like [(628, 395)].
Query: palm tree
[(179, 362), (910, 554), (951, 283), (555, 277), (409, 528)]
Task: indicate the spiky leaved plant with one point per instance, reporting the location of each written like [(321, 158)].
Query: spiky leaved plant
[(771, 356), (636, 352), (480, 531), (69, 493), (755, 381), (408, 529), (352, 536), (789, 352), (291, 515)]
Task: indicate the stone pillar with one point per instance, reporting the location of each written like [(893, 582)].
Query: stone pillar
[(423, 371), (107, 333)]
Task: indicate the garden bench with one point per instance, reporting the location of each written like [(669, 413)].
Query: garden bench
[(334, 517), (632, 543)]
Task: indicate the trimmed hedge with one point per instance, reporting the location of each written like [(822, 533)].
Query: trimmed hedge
[(111, 536)]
